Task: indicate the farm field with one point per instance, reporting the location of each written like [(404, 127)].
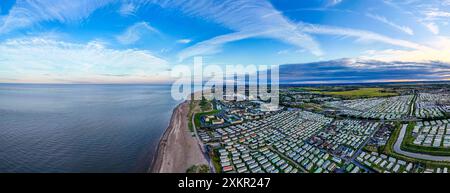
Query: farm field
[(362, 92)]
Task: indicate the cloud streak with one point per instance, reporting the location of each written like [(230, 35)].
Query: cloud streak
[(432, 27), (27, 13), (240, 16), (429, 14), (332, 3), (382, 19), (362, 35), (135, 32), (266, 22), (127, 9), (244, 19), (184, 41), (47, 60), (247, 20), (437, 50)]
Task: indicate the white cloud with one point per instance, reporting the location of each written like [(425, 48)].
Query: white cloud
[(134, 33), (382, 19), (436, 50), (436, 13), (282, 52), (433, 17), (212, 46), (47, 60), (184, 41), (261, 19), (429, 14), (127, 9), (247, 19), (432, 27), (360, 34), (333, 2), (26, 13)]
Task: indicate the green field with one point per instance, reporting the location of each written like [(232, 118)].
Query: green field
[(361, 93), (197, 116), (311, 89)]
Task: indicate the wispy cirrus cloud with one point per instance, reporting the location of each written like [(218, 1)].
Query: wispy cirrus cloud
[(430, 14), (331, 3), (436, 13), (243, 19), (436, 50), (184, 41), (432, 17), (361, 35), (384, 20), (247, 20), (213, 46), (127, 9), (40, 59), (432, 27), (274, 25), (27, 13), (135, 32)]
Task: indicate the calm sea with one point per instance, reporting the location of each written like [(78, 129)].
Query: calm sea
[(81, 128)]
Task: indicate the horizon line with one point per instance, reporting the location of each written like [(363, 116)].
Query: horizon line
[(291, 83)]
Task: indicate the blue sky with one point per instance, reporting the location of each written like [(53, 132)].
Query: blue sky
[(138, 41)]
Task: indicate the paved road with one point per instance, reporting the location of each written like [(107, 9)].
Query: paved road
[(415, 155)]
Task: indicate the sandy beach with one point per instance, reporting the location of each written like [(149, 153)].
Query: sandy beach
[(178, 149)]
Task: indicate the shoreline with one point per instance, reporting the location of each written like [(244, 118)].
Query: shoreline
[(177, 149), (155, 165)]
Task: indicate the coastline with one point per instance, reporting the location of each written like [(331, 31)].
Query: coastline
[(177, 149), (157, 159)]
